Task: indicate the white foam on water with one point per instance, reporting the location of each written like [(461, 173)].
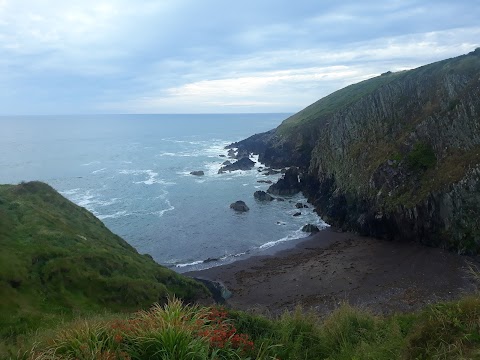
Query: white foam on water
[(91, 163), (99, 171), (150, 174), (107, 202), (70, 192), (298, 234), (189, 264), (162, 212), (211, 168), (113, 216)]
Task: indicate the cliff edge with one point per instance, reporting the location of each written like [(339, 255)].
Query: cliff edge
[(395, 157)]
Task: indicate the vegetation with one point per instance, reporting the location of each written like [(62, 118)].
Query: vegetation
[(58, 262), (421, 157), (176, 331)]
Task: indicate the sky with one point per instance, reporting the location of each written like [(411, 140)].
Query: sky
[(214, 56)]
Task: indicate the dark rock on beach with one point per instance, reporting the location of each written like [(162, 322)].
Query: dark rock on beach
[(263, 196), (242, 164), (239, 206), (197, 173), (310, 228), (297, 214)]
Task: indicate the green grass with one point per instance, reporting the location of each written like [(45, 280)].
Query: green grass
[(421, 157), (319, 110), (175, 331), (58, 261)]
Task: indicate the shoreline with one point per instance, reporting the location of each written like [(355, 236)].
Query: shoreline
[(328, 268)]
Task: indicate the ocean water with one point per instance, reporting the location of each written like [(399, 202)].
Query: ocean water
[(133, 172)]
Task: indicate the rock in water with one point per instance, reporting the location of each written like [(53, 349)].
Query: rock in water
[(239, 206), (300, 205), (227, 162), (297, 214), (288, 185), (242, 164), (262, 196), (197, 173), (310, 228)]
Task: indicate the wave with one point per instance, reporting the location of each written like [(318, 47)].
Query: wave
[(113, 216), (298, 234), (70, 192), (189, 264), (91, 163), (150, 174), (99, 171), (161, 212)]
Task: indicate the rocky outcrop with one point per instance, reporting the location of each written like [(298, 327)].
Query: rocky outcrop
[(263, 196), (242, 164), (300, 205), (288, 185), (239, 206), (396, 156), (310, 228), (197, 173)]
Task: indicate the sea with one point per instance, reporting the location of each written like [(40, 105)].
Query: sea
[(133, 173)]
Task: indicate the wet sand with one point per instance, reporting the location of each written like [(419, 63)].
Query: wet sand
[(330, 267)]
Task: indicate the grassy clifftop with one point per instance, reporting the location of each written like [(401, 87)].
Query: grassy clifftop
[(57, 260)]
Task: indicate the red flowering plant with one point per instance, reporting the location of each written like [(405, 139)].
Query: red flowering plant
[(221, 333)]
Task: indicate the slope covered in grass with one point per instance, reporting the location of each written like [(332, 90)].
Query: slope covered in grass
[(58, 260)]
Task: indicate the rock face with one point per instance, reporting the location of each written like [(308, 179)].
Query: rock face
[(263, 196), (395, 157), (300, 205), (197, 173), (310, 228), (288, 185), (239, 206), (242, 164)]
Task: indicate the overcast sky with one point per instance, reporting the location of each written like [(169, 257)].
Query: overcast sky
[(213, 56)]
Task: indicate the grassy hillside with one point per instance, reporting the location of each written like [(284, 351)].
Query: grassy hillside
[(57, 260)]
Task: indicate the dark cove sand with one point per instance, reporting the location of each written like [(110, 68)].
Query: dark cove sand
[(326, 269)]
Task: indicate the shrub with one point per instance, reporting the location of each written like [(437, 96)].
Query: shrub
[(421, 157)]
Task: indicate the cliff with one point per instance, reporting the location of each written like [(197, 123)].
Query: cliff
[(396, 156), (57, 260)]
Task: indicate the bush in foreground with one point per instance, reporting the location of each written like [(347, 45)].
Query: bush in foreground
[(177, 331)]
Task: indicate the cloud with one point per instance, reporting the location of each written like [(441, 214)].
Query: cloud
[(213, 56), (238, 85)]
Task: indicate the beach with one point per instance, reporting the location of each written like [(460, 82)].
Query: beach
[(330, 268)]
